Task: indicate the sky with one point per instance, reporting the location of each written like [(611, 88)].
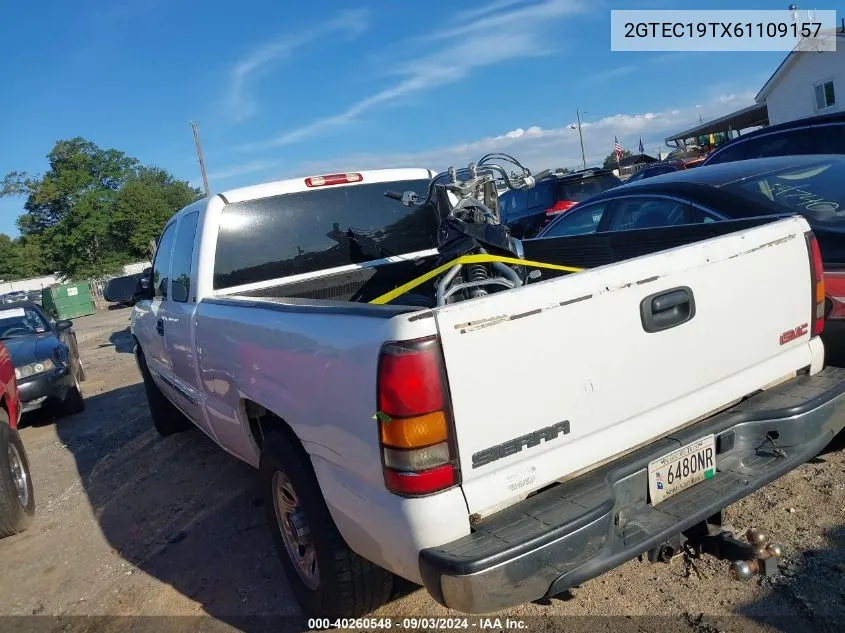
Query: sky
[(284, 90)]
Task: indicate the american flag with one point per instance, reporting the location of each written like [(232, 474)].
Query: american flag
[(617, 148)]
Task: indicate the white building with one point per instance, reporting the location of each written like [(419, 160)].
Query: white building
[(806, 84)]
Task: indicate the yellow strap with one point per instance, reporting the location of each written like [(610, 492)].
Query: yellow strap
[(466, 259)]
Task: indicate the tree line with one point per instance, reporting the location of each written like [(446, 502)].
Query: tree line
[(90, 213)]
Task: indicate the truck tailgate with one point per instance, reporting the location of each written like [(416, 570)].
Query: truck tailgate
[(567, 369)]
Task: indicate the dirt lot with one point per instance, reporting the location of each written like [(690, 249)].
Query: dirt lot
[(129, 523)]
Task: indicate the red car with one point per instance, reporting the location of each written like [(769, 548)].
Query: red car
[(17, 501)]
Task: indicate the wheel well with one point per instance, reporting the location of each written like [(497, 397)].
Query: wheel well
[(261, 420)]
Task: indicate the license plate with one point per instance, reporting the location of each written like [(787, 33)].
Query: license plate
[(682, 468)]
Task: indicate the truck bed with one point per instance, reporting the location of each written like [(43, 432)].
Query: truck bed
[(581, 251)]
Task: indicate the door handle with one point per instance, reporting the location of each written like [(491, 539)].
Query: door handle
[(160, 327), (667, 309)]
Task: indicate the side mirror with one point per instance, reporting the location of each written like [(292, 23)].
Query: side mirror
[(125, 289), (64, 324)]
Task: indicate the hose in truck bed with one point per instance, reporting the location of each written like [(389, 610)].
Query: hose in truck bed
[(466, 259)]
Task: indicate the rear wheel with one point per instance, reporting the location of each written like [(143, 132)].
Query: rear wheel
[(328, 578), (167, 419), (17, 501)]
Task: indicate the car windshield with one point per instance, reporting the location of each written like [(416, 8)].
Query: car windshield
[(15, 322), (580, 190), (815, 191)]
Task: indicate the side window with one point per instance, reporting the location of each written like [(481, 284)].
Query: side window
[(161, 264), (579, 221), (649, 213), (730, 154), (828, 139), (782, 144), (183, 253)]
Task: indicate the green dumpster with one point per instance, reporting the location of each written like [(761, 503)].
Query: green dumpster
[(68, 301)]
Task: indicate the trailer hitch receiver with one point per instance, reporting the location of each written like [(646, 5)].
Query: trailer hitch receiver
[(754, 555)]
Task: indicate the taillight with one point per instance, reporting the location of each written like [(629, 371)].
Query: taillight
[(560, 206), (418, 452), (333, 179), (817, 279), (834, 285)]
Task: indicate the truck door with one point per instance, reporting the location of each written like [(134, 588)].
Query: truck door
[(148, 315), (178, 320)]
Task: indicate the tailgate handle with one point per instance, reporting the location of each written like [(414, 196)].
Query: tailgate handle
[(667, 309)]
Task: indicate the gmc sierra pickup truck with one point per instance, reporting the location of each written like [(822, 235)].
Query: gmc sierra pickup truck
[(499, 449)]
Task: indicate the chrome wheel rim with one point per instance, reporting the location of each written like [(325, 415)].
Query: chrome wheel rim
[(296, 533), (19, 475)]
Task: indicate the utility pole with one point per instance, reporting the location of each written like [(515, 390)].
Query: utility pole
[(581, 136), (199, 153)]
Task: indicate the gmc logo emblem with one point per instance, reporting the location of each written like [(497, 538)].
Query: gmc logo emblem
[(791, 335)]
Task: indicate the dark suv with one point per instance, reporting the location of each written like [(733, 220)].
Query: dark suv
[(814, 135), (526, 212)]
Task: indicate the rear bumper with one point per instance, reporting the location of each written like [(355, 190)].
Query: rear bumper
[(575, 531), (39, 390)]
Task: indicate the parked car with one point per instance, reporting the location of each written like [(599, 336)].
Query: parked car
[(823, 134), (433, 443), (657, 169), (13, 296), (46, 358), (527, 212), (17, 500), (809, 185), (35, 296), (690, 156)]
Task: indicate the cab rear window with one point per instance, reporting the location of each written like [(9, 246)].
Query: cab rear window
[(317, 230)]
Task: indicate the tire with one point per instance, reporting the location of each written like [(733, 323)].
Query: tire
[(346, 585), (167, 419), (73, 402), (17, 500)]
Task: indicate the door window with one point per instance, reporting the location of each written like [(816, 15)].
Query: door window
[(648, 213), (183, 253), (161, 264), (579, 221)]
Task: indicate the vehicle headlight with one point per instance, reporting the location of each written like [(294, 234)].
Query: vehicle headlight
[(33, 369)]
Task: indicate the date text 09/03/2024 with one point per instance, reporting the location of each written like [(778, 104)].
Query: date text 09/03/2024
[(415, 623)]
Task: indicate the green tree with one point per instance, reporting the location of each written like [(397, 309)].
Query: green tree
[(20, 258), (610, 159), (93, 210), (143, 206), (77, 168)]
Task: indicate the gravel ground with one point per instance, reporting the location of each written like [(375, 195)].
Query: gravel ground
[(132, 524)]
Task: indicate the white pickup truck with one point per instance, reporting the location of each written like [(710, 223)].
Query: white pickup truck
[(496, 450)]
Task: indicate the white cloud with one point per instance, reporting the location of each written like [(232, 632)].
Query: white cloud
[(540, 148), (516, 36), (486, 9), (496, 25), (239, 101)]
